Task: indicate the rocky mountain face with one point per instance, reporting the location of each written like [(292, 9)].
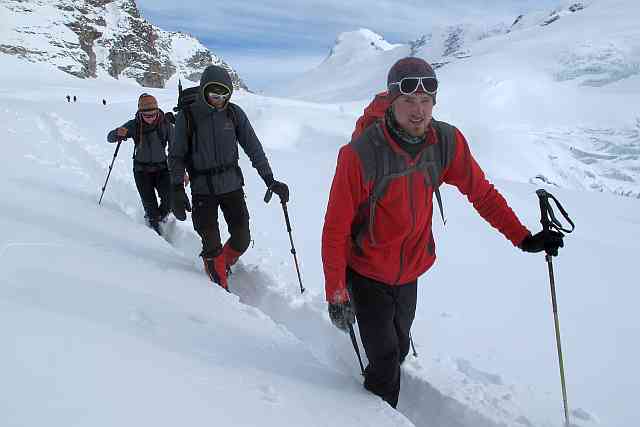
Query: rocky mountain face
[(87, 38), (546, 18)]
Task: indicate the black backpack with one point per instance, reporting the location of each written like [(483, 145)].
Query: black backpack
[(186, 97)]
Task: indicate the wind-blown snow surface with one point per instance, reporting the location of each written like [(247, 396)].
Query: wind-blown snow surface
[(105, 323)]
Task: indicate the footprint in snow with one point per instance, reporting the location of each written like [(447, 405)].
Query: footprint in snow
[(268, 393), (197, 319), (140, 319)]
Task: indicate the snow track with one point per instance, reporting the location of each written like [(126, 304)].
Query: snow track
[(302, 317), (307, 320)]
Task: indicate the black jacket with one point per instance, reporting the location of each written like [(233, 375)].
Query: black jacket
[(214, 151)]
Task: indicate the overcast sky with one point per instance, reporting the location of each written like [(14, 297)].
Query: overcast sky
[(268, 41)]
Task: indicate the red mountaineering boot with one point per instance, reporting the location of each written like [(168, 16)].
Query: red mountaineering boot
[(230, 257), (215, 268)]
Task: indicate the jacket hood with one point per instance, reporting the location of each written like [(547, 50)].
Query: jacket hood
[(218, 75)]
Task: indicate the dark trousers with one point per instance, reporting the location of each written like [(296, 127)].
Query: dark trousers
[(385, 314), (148, 182), (236, 215)]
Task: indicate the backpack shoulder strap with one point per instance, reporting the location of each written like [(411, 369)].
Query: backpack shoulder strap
[(233, 115), (137, 137), (443, 155), (446, 135), (191, 128), (161, 129)]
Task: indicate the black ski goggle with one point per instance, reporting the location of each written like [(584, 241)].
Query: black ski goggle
[(411, 85), (216, 92), (217, 97), (149, 113)]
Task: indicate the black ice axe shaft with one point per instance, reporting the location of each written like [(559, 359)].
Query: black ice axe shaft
[(267, 199), (115, 154), (549, 221)]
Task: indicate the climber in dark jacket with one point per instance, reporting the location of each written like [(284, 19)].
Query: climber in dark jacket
[(210, 157)]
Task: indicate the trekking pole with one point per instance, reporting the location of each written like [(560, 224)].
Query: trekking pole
[(415, 353), (549, 221), (355, 347), (115, 154), (267, 198)]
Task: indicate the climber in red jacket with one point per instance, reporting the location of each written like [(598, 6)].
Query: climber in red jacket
[(377, 237)]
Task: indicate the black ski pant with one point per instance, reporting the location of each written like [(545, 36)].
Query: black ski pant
[(385, 314), (148, 182), (205, 221)]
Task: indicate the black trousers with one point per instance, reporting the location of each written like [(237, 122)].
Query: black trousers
[(148, 182), (205, 221), (385, 314)]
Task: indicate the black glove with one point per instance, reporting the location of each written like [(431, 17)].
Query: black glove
[(546, 240), (178, 202), (342, 315), (281, 189)]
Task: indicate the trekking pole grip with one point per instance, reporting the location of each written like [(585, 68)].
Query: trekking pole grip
[(268, 195), (286, 216), (547, 216), (544, 209)]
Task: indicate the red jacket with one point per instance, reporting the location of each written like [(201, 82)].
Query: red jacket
[(400, 245)]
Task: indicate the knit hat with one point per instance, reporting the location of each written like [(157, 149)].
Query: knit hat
[(147, 102), (407, 67)]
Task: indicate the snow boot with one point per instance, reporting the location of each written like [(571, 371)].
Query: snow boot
[(164, 215), (230, 257), (215, 268), (155, 226)]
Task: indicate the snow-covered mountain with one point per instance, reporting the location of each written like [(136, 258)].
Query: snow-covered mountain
[(88, 38), (351, 70), (544, 18), (565, 82)]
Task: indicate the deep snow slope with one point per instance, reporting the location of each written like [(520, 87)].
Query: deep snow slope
[(106, 323)]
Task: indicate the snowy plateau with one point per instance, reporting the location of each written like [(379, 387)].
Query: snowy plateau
[(103, 323)]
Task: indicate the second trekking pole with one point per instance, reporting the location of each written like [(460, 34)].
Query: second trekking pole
[(115, 154), (354, 341), (267, 198), (549, 221)]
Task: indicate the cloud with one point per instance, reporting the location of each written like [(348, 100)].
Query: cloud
[(316, 23), (297, 32), (264, 70)]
